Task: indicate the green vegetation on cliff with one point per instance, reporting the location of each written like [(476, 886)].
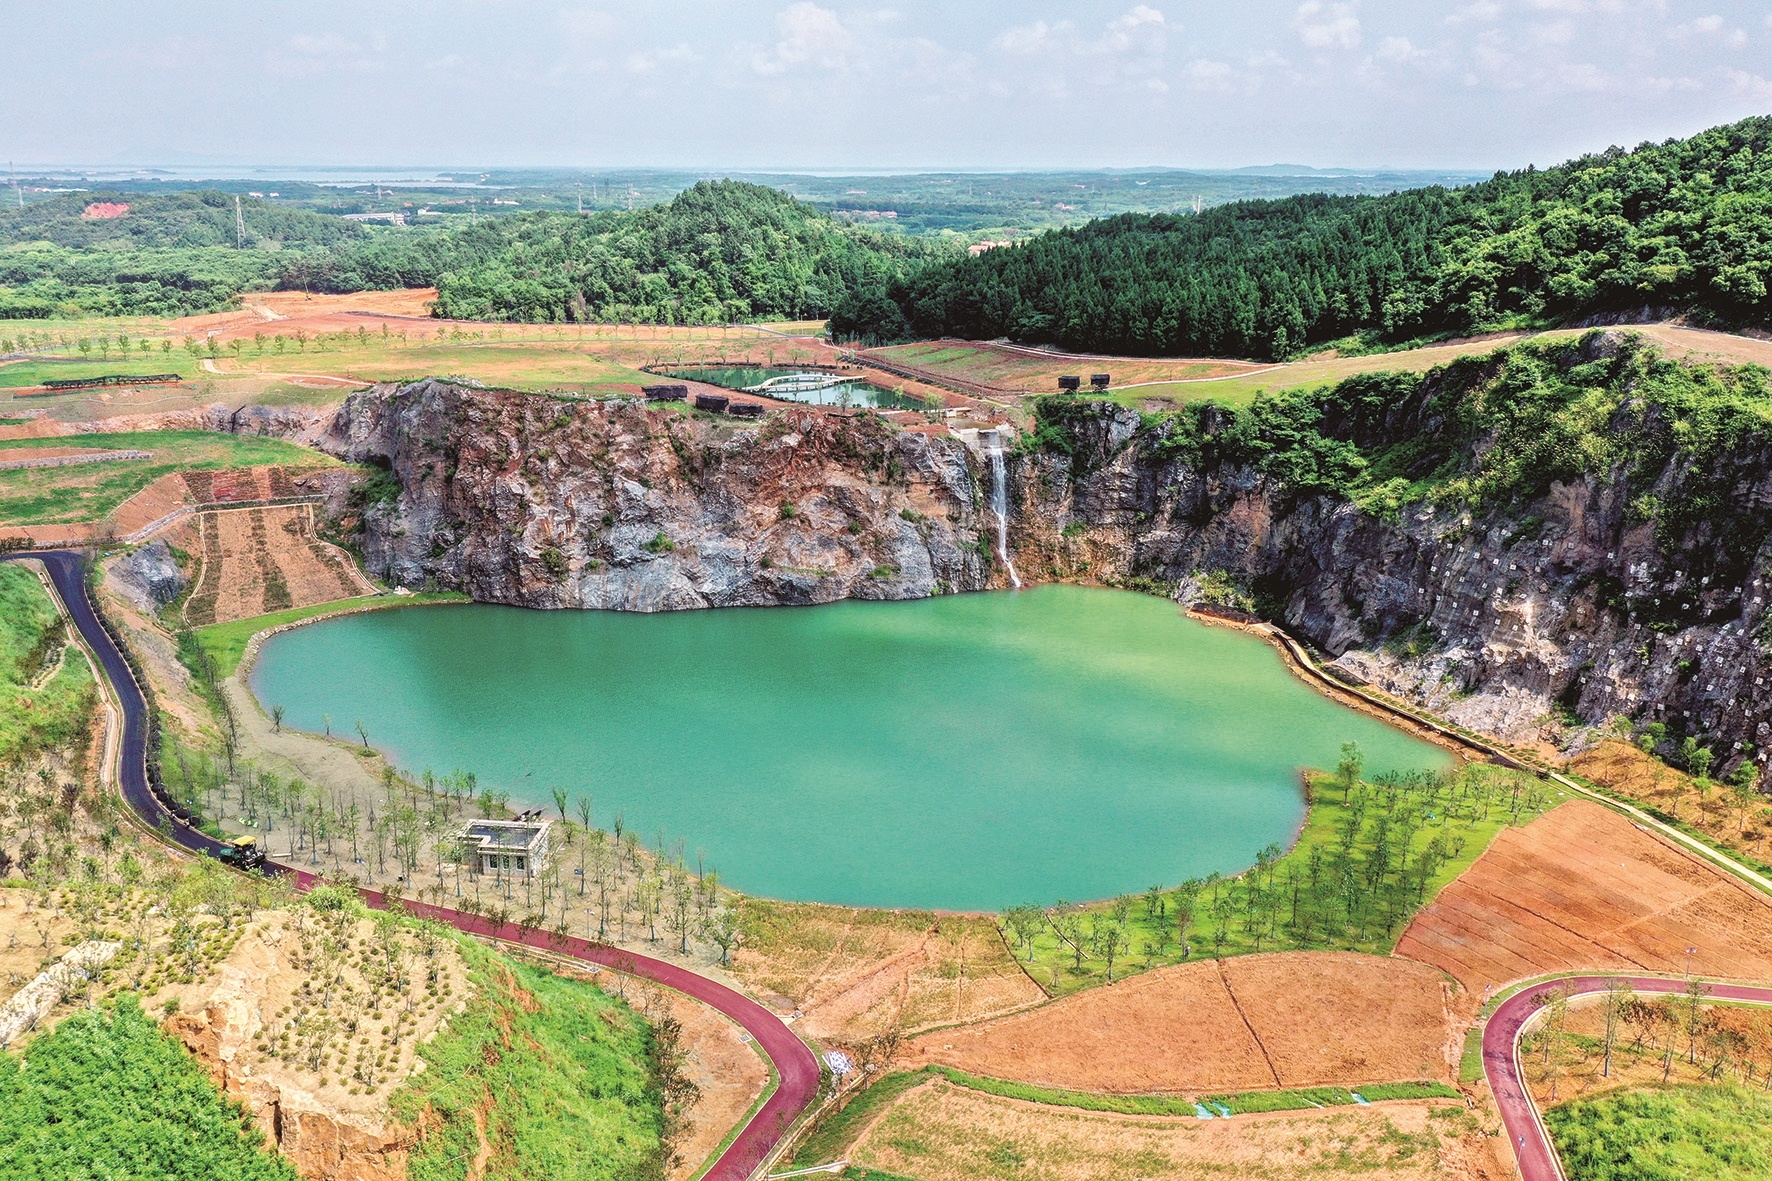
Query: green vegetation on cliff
[(542, 1077), (1496, 431), (1685, 224), (107, 1094)]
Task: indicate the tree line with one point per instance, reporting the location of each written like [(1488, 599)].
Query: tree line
[(1685, 224)]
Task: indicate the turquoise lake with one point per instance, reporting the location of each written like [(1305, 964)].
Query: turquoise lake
[(962, 752)]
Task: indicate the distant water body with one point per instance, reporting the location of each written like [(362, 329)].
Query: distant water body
[(963, 752)]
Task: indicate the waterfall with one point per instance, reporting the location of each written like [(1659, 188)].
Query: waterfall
[(1000, 506)]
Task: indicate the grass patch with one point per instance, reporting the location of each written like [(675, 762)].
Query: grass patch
[(22, 374), (225, 643), (1470, 1062), (557, 1071), (1713, 1132), (46, 691), (59, 496), (834, 1134), (107, 1094), (1422, 1090), (1358, 873)]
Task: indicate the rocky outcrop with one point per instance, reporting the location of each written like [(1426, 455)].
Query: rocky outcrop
[(320, 1141), (529, 500), (150, 576), (1572, 607)]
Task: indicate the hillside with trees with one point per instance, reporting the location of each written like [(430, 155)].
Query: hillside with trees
[(1683, 226), (721, 251)]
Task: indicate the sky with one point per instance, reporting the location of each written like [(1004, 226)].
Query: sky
[(827, 85)]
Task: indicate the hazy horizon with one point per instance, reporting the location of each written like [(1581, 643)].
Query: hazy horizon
[(835, 89)]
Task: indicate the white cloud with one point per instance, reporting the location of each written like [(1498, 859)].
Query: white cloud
[(1753, 87), (1399, 49), (308, 54), (1482, 10), (1325, 25), (807, 35), (647, 61)]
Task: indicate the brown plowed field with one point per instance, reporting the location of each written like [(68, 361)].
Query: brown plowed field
[(1288, 1019), (265, 559), (1583, 887)]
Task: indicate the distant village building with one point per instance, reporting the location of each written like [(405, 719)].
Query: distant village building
[(978, 248), (505, 846)]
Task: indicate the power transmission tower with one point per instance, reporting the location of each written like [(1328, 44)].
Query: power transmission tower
[(581, 196), (239, 225), (630, 198), (15, 185)]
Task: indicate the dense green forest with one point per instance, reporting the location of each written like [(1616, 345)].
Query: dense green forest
[(1684, 225), (106, 1094), (169, 254), (719, 251)]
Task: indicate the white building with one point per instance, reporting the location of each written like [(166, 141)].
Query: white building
[(505, 846)]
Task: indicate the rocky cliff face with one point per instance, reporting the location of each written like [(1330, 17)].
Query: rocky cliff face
[(1573, 608), (528, 500), (1571, 605)]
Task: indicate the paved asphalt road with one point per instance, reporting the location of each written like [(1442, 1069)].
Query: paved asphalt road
[(1501, 1057), (793, 1060)]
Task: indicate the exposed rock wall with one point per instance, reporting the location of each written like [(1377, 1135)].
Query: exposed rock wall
[(1569, 605), (1571, 602), (529, 500)]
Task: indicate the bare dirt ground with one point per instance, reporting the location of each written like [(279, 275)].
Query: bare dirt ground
[(32, 938), (1730, 819), (1287, 1019), (1583, 887), (36, 426), (940, 1132), (853, 973), (259, 560)]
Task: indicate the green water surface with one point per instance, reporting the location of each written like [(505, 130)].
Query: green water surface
[(962, 752)]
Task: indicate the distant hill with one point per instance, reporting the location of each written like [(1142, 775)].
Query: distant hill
[(720, 250), (1681, 226)]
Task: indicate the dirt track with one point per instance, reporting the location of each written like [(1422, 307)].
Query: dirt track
[(1287, 1019), (1584, 888)]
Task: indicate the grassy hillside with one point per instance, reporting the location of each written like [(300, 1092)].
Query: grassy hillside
[(1662, 1135), (107, 1094), (46, 689), (541, 1077), (1686, 224)]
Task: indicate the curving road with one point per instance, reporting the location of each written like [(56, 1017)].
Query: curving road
[(1501, 1057), (794, 1062)]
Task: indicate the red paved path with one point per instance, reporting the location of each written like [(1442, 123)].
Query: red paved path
[(794, 1062), (1501, 1058)]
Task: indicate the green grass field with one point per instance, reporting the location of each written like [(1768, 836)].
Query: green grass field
[(59, 496), (15, 374), (1356, 875), (1714, 1132), (46, 688)]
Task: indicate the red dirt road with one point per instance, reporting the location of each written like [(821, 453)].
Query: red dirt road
[(1501, 1059)]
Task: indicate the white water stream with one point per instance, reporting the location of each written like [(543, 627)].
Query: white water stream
[(1000, 506)]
